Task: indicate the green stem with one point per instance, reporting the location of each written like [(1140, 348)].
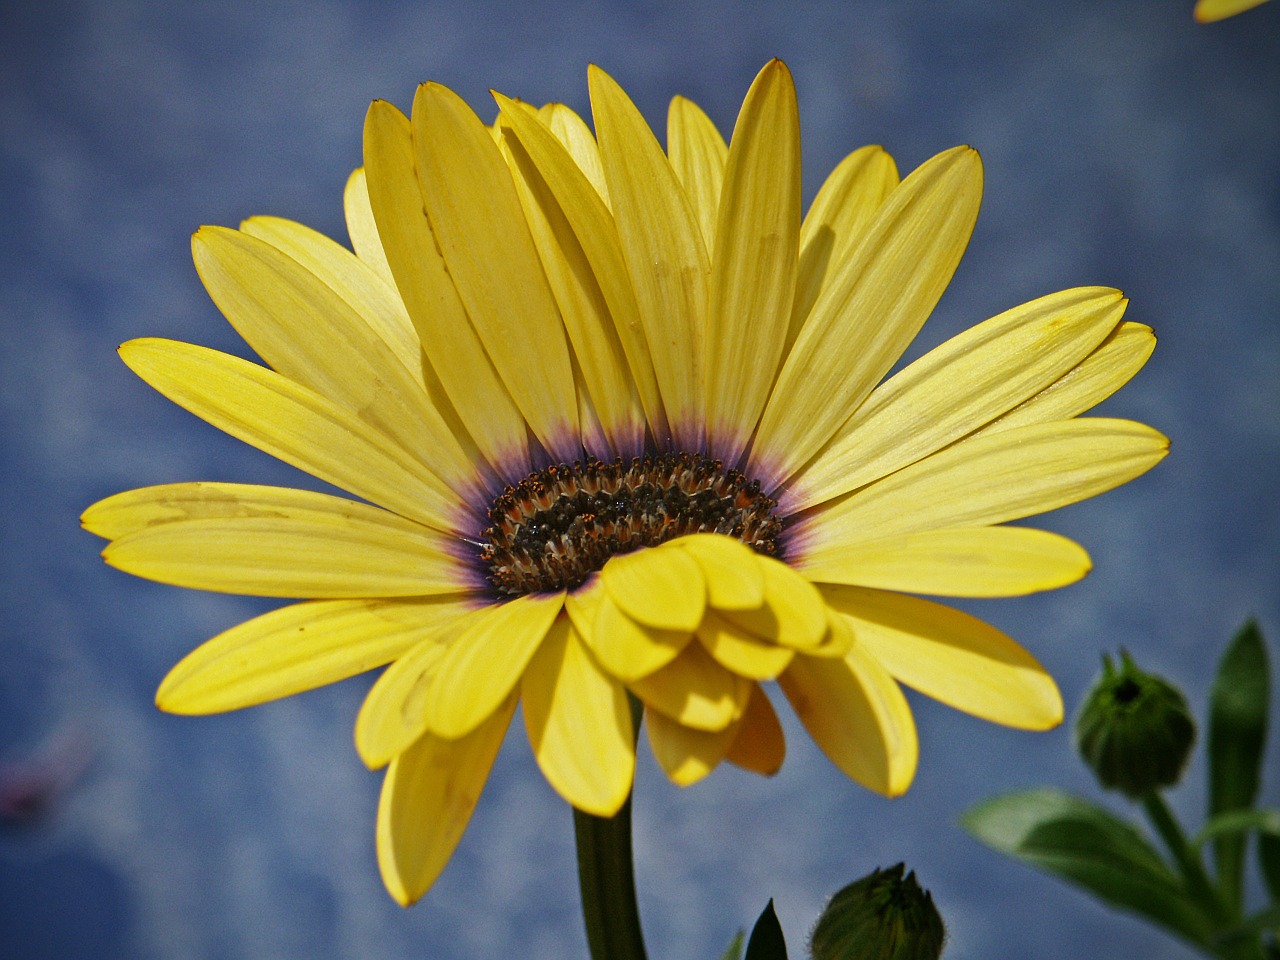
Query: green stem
[(1197, 879), (607, 880)]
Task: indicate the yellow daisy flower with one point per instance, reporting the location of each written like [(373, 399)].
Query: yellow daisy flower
[(1207, 11), (617, 424)]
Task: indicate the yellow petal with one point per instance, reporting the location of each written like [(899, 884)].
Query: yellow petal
[(658, 588), (572, 131), (741, 652), (858, 716), (694, 690), (1207, 11), (295, 425), (952, 390), (579, 723), (281, 542), (361, 227), (967, 562), (393, 714), (760, 745), (793, 614), (627, 649), (428, 796), (685, 755), (734, 580), (594, 228), (304, 330), (698, 154), (951, 656), (486, 660), (836, 220), (476, 217), (601, 360), (358, 283), (664, 253), (985, 480), (870, 310), (300, 647), (451, 344), (753, 274), (1087, 384)]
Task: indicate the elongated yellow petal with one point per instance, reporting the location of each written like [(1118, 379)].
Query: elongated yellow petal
[(760, 745), (686, 755), (579, 723), (952, 390), (951, 656), (393, 714), (966, 562), (793, 614), (625, 648), (1208, 11), (663, 250), (836, 220), (361, 227), (858, 716), (476, 217), (658, 588), (371, 295), (576, 137), (734, 580), (594, 228), (741, 652), (698, 154), (753, 274), (601, 360), (300, 647), (281, 542), (304, 329), (485, 662), (986, 480), (870, 310), (295, 425), (427, 800), (694, 690), (452, 345), (1087, 384)]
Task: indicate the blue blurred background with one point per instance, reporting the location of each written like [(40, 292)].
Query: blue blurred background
[(1123, 144)]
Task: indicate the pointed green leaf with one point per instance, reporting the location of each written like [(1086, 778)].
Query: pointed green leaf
[(1266, 821), (734, 950), (1237, 732), (767, 942), (1089, 847)]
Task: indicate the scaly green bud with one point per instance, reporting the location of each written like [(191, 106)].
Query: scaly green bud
[(1134, 730), (883, 916)]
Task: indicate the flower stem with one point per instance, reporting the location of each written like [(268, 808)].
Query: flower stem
[(1189, 863), (607, 880)]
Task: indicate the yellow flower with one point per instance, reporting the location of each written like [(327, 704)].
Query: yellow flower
[(616, 422), (1207, 11)]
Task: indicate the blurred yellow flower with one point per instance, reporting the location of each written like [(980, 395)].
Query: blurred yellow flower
[(1207, 11), (617, 424)]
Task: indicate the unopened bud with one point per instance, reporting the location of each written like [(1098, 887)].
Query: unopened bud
[(883, 916), (1134, 730)]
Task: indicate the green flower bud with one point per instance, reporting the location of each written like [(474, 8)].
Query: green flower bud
[(1134, 730), (883, 916)]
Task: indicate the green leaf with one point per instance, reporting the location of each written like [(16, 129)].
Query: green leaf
[(1088, 846), (1237, 732), (1269, 863), (1266, 919), (767, 942), (1266, 821), (734, 950)]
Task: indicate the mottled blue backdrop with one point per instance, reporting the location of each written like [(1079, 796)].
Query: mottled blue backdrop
[(1124, 145)]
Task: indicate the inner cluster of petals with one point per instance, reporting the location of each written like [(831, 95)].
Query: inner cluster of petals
[(559, 525)]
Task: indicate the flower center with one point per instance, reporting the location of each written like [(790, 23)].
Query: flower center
[(557, 526)]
